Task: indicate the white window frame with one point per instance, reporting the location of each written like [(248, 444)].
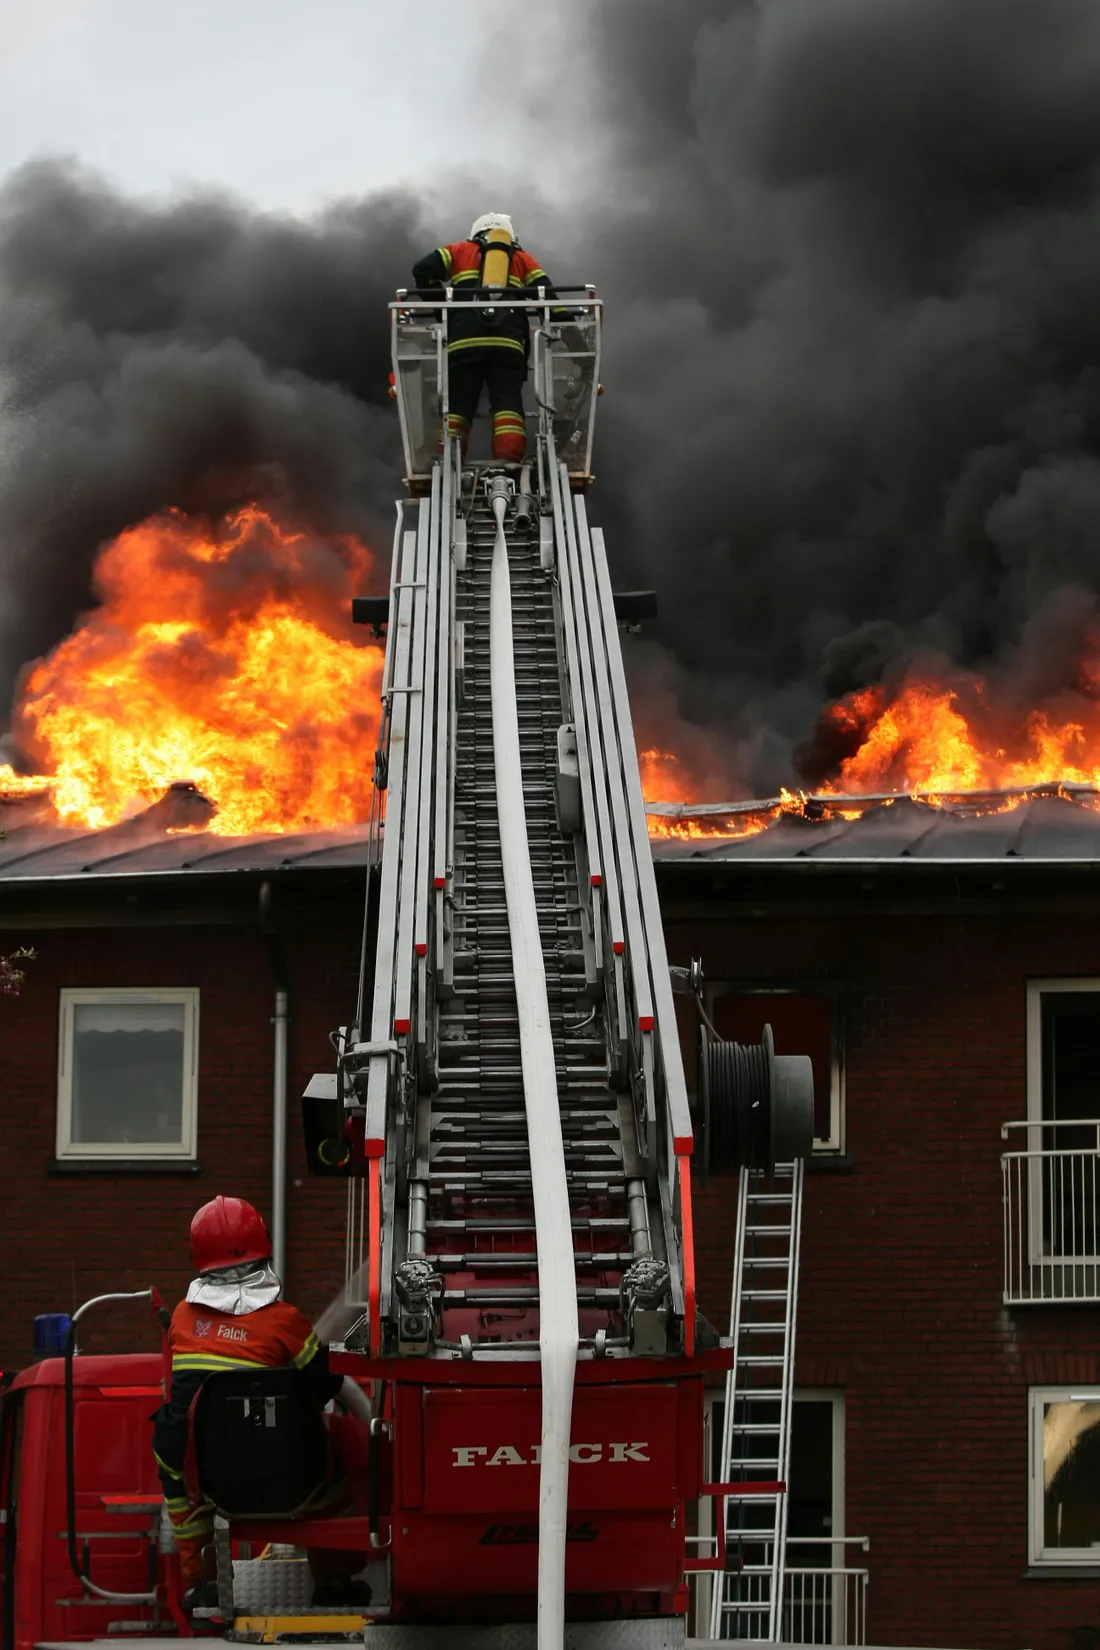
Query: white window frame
[(69, 1150), (1036, 991), (833, 1146), (1059, 1558)]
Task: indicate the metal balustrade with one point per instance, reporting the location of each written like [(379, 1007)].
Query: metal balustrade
[(824, 1606), (823, 1602), (1051, 1191)]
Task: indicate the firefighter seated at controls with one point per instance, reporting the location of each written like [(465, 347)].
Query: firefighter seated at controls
[(487, 346), (234, 1319)]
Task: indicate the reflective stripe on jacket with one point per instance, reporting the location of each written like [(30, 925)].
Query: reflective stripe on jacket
[(459, 265), (203, 1341)]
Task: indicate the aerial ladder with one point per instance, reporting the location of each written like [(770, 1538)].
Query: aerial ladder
[(508, 1108), (510, 1102)]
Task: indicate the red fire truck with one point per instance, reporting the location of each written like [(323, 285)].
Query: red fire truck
[(525, 1365)]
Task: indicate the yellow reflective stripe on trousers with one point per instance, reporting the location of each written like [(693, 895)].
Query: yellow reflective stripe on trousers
[(164, 1467), (201, 1524), (485, 343)]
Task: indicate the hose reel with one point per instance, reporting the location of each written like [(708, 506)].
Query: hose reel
[(758, 1106)]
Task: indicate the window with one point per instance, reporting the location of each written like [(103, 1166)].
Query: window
[(1065, 1476), (802, 1022), (127, 1074), (816, 1499), (1064, 1095)]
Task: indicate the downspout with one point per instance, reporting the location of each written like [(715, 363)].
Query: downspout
[(280, 1021)]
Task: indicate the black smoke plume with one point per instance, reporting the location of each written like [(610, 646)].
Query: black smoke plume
[(851, 250), (194, 355), (851, 256)]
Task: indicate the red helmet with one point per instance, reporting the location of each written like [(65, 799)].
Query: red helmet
[(227, 1231)]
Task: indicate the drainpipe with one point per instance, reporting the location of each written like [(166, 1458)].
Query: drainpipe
[(280, 1021), (278, 1140)]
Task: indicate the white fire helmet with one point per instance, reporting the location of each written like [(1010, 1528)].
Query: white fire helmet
[(491, 220)]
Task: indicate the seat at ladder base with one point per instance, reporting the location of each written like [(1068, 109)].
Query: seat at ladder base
[(242, 1431), (260, 1450)]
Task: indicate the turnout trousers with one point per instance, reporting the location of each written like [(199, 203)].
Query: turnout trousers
[(504, 372), (192, 1518)]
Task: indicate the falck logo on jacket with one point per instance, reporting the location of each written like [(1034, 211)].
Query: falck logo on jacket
[(203, 1326)]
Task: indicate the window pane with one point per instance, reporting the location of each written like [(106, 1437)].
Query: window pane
[(1071, 1055), (810, 1504), (127, 1073), (1071, 1474), (1071, 1088), (800, 1025)]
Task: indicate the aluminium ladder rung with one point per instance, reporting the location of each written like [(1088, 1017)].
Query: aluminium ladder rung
[(749, 1600)]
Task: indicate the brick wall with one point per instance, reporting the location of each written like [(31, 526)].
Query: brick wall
[(900, 1300), (67, 1236)]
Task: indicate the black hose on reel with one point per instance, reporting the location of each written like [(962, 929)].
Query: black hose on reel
[(758, 1106)]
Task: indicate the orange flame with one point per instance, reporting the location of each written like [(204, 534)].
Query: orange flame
[(665, 779), (221, 656), (926, 740)]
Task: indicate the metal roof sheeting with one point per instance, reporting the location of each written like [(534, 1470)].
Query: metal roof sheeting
[(1043, 829), (1039, 830), (43, 852)]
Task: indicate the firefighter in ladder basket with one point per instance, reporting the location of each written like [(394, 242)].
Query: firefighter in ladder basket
[(234, 1318), (488, 346)]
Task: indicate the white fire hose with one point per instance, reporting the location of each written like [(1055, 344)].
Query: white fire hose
[(558, 1327)]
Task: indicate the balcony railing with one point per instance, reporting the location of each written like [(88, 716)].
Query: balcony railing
[(1051, 1187), (824, 1597), (824, 1606)]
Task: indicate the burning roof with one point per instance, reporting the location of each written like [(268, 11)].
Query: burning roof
[(1057, 826), (222, 656), (220, 688)]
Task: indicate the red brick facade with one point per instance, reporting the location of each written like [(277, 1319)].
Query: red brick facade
[(900, 1303), (67, 1236), (900, 1297)]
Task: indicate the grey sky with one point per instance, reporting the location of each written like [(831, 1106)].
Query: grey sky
[(287, 102)]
